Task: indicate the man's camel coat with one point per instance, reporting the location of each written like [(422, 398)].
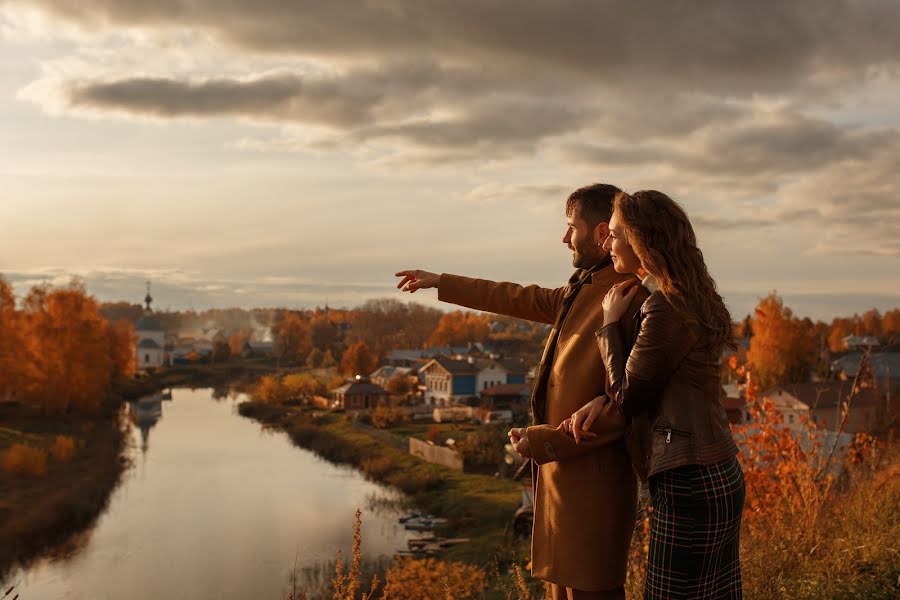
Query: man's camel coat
[(585, 494)]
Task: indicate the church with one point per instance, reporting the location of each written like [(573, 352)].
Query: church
[(151, 338)]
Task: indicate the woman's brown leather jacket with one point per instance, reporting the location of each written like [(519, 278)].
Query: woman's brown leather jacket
[(672, 374)]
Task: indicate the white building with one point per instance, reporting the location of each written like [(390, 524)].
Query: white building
[(151, 338)]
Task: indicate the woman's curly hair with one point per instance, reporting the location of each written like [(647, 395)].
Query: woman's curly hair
[(661, 235)]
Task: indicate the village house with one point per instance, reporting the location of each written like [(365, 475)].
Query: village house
[(867, 409), (416, 357), (860, 342), (794, 412), (885, 367), (253, 349), (385, 373), (358, 394), (448, 380)]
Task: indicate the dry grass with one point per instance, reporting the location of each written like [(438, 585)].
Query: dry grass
[(25, 460)]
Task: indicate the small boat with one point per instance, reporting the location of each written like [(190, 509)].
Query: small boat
[(415, 515), (421, 542), (423, 524)]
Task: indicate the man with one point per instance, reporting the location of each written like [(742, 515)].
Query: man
[(585, 493)]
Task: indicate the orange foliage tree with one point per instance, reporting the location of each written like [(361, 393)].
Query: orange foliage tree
[(67, 356), (783, 348), (292, 337), (358, 360), (10, 339), (459, 327)]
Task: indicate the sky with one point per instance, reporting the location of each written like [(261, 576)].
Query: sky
[(274, 153)]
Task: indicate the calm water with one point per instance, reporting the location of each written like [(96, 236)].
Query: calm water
[(215, 508)]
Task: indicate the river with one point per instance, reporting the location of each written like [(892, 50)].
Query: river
[(214, 507)]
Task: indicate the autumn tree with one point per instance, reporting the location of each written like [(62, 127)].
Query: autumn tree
[(10, 339), (398, 385), (459, 327), (121, 346), (358, 360), (328, 360), (324, 334), (71, 352), (783, 348), (301, 386), (385, 324), (292, 337), (314, 358), (890, 325)]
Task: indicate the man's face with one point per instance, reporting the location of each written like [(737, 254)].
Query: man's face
[(584, 241)]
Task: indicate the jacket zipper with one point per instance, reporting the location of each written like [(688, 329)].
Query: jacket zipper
[(668, 431)]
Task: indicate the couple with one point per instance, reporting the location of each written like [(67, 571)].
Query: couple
[(628, 387)]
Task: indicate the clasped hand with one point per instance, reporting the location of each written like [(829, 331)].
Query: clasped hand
[(579, 424)]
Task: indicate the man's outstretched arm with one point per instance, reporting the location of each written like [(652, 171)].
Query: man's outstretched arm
[(532, 302)]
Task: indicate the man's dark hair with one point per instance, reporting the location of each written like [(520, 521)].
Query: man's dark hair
[(593, 202)]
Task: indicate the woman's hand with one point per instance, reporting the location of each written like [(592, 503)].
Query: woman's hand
[(617, 300), (417, 280), (582, 419)]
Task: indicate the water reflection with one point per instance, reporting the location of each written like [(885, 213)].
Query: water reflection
[(145, 413), (217, 509)]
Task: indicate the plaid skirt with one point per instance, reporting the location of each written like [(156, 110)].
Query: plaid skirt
[(695, 532)]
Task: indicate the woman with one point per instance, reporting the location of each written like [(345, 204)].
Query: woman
[(672, 374)]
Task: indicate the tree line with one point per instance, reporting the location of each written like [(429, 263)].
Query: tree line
[(784, 348)]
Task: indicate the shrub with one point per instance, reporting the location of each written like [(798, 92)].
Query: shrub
[(376, 468), (412, 579), (385, 416), (22, 459), (63, 449)]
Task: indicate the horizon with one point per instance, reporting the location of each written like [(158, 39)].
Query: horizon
[(881, 303)]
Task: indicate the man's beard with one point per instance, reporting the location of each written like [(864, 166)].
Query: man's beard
[(587, 256)]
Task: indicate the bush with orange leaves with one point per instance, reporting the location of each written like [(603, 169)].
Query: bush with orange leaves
[(804, 517), (63, 449), (818, 523), (22, 459)]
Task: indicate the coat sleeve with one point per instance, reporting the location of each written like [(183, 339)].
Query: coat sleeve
[(663, 340), (549, 444), (532, 302)]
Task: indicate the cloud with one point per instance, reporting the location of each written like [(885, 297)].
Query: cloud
[(734, 48), (733, 105), (278, 96)]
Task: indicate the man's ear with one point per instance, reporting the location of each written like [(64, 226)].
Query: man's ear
[(601, 232)]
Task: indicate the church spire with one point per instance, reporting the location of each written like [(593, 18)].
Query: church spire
[(148, 298)]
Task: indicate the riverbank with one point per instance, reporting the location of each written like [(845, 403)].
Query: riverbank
[(478, 507), (43, 511), (48, 510)]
